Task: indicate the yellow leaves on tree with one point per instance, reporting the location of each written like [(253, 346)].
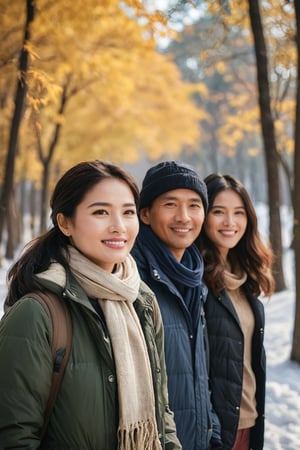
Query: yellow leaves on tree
[(279, 30), (140, 111), (96, 74)]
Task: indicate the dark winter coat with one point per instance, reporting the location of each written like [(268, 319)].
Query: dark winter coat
[(226, 365), (185, 356), (85, 415)]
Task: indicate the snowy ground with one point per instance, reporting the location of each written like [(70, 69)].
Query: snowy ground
[(283, 376), (283, 387)]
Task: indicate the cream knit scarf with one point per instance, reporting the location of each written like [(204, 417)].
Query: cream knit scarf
[(234, 281), (116, 293)]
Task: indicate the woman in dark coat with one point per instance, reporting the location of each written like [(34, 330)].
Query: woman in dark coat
[(237, 270), (113, 394)]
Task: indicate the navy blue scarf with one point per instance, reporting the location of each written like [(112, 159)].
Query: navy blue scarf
[(186, 275)]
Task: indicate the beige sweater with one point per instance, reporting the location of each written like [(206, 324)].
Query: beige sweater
[(248, 411)]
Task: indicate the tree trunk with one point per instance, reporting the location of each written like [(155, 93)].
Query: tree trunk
[(295, 355), (44, 196), (268, 132), (12, 226), (21, 206), (46, 160), (16, 120), (32, 209)]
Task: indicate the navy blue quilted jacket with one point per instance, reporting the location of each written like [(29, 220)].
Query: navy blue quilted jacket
[(185, 357)]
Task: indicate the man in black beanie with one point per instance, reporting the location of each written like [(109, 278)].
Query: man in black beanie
[(173, 203)]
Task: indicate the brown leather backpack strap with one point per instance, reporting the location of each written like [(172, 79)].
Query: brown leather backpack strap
[(60, 345)]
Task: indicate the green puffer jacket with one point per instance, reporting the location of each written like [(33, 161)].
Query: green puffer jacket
[(85, 415)]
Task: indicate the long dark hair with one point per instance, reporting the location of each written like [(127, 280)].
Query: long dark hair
[(53, 245), (251, 254)]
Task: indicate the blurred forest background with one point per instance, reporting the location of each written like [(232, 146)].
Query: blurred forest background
[(213, 83)]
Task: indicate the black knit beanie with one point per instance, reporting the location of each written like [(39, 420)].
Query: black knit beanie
[(169, 175)]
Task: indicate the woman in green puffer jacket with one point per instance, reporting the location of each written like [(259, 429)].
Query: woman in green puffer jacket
[(113, 394)]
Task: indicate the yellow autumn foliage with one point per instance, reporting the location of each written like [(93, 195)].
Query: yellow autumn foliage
[(235, 103), (95, 72)]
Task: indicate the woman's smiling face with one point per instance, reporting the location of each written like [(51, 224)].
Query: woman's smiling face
[(226, 221), (105, 224)]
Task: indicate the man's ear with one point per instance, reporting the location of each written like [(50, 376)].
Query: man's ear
[(63, 224), (145, 215)]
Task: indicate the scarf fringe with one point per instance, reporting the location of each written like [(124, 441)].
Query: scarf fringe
[(139, 436)]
